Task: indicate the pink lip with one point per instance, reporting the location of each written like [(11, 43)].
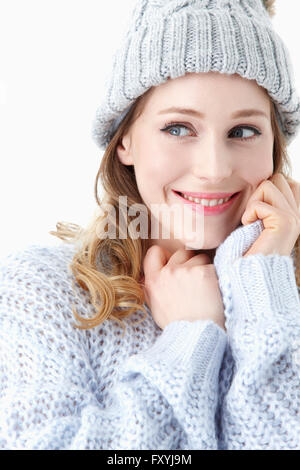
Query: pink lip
[(206, 195), (206, 209)]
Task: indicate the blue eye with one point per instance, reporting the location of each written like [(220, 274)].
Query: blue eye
[(249, 128), (174, 125)]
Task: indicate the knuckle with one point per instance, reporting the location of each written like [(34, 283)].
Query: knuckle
[(205, 270), (268, 183), (253, 203), (171, 270), (293, 220)]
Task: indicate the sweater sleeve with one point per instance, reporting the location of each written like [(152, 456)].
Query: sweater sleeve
[(163, 397), (262, 407)]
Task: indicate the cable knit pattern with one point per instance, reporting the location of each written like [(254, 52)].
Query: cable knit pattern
[(189, 386), (259, 400), (166, 39)]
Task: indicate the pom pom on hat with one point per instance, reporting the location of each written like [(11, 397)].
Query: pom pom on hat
[(270, 7)]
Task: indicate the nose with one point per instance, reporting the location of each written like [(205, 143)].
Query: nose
[(212, 159)]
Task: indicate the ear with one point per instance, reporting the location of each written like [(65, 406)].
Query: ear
[(124, 150)]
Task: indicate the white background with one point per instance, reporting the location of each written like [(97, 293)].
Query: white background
[(53, 59)]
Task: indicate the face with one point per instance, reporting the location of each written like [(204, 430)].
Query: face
[(207, 150)]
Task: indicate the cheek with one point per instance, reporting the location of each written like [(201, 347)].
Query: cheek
[(150, 177), (258, 170), (156, 167)]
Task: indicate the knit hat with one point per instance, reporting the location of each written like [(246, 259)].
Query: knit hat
[(169, 38)]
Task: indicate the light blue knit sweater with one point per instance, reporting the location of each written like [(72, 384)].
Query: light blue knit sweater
[(189, 386)]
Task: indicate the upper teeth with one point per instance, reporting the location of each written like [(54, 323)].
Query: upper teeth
[(206, 202)]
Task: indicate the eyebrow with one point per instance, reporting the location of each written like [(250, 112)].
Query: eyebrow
[(237, 114)]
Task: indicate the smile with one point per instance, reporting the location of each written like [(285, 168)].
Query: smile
[(208, 206)]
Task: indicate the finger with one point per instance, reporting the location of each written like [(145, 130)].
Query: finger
[(198, 260), (155, 259), (181, 256), (282, 184), (263, 211), (270, 194)]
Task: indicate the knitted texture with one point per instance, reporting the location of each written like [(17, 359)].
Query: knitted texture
[(169, 38), (189, 386), (259, 400)]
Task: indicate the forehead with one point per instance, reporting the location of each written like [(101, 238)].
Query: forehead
[(212, 90)]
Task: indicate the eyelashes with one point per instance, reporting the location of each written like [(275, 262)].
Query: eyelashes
[(171, 125)]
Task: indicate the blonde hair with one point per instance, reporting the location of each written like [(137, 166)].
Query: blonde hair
[(110, 269)]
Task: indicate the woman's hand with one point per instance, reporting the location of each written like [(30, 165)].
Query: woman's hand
[(276, 203), (181, 287)]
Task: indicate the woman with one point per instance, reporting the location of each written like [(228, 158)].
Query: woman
[(214, 363)]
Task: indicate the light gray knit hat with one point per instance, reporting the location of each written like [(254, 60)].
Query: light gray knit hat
[(169, 38)]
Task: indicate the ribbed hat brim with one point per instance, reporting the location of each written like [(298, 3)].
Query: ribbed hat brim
[(195, 41)]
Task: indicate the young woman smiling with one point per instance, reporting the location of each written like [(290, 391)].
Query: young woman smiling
[(198, 112)]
